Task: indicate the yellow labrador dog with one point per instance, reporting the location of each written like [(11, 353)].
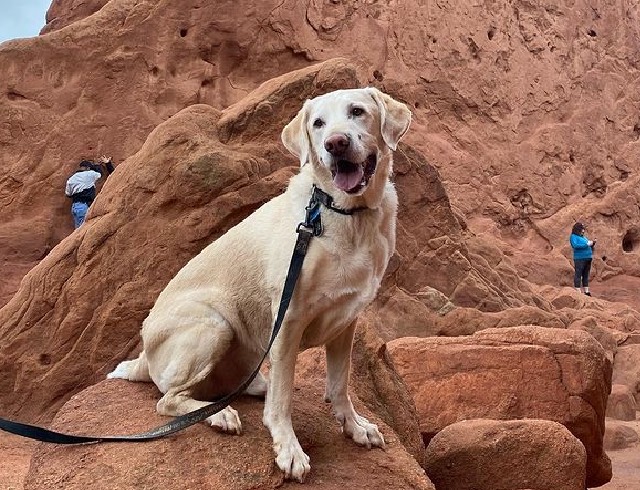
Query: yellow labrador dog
[(211, 324)]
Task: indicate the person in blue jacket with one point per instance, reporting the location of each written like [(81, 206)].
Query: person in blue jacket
[(582, 256)]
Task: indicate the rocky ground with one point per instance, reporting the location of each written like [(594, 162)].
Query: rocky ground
[(17, 453)]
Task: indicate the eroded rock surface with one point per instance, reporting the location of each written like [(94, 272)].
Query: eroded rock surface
[(474, 455), (512, 373), (200, 457)]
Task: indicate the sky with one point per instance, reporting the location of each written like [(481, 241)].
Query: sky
[(22, 18)]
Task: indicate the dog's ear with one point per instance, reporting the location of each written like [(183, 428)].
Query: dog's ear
[(395, 117), (294, 135)]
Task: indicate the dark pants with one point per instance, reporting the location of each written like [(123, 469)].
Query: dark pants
[(583, 268)]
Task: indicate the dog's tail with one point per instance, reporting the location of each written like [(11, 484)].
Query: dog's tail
[(134, 370)]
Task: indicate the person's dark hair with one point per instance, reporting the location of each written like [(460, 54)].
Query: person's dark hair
[(577, 229), (86, 164)]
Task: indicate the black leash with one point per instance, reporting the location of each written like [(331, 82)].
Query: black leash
[(312, 226)]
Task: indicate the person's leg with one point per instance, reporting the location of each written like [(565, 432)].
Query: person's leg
[(585, 276), (79, 211), (76, 216), (577, 276)]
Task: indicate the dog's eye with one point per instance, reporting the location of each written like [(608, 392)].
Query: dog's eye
[(318, 123), (357, 111)]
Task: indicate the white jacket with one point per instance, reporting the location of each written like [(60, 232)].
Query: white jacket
[(80, 181)]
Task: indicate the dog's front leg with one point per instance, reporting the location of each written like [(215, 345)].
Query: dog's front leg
[(290, 457), (338, 353)]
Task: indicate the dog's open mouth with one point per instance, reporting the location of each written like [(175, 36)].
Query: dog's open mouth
[(351, 177)]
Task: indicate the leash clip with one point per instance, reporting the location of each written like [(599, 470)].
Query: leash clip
[(312, 218)]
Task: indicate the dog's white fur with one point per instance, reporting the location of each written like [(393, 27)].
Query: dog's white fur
[(211, 324)]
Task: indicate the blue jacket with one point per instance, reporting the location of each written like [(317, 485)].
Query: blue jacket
[(581, 248)]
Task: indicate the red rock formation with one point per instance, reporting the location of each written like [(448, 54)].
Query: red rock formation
[(80, 309), (61, 13), (518, 454), (199, 457), (524, 372), (621, 404), (526, 110), (620, 435), (627, 368)]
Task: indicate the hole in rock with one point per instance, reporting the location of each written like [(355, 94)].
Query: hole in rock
[(13, 95), (631, 240), (183, 32)]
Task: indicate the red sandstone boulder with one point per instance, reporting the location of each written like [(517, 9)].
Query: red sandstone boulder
[(512, 373), (627, 368), (621, 405), (201, 458), (580, 310), (619, 435), (61, 13), (518, 454)]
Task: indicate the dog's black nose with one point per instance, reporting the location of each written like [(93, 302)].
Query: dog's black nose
[(337, 144)]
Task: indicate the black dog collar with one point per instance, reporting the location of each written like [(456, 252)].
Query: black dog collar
[(327, 201)]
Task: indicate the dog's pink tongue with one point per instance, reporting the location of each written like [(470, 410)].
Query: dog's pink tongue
[(346, 181)]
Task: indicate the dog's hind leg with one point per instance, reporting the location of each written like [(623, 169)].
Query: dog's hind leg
[(175, 403), (133, 370), (191, 357)]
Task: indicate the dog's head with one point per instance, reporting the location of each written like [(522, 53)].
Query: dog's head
[(346, 134)]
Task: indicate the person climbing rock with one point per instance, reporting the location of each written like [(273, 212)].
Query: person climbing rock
[(81, 186)]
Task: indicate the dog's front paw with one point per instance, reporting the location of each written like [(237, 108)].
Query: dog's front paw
[(226, 420), (291, 459), (363, 432)]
